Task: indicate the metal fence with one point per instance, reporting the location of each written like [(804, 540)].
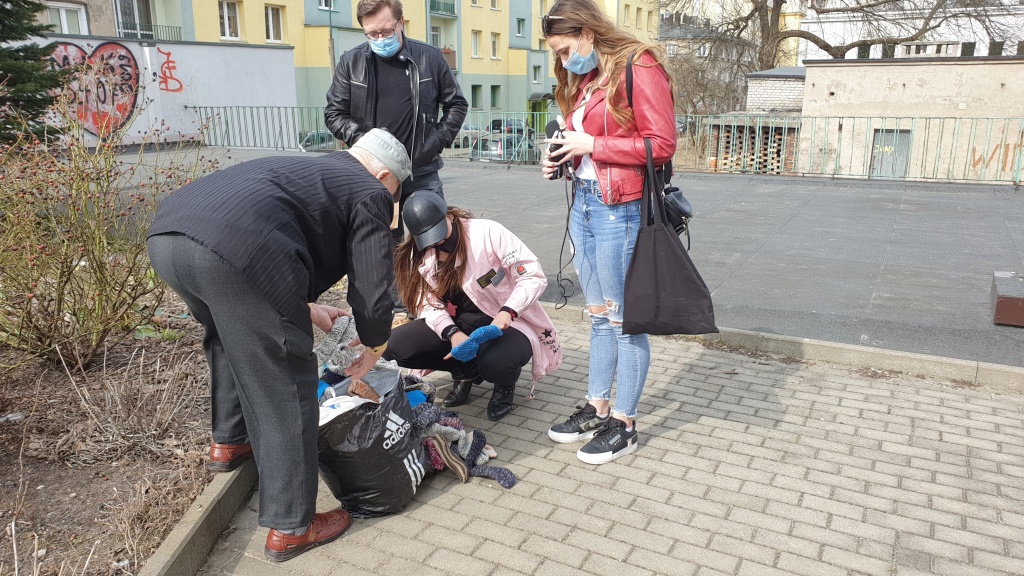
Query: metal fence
[(893, 148)]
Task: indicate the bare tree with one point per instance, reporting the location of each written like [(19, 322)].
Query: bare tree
[(869, 22)]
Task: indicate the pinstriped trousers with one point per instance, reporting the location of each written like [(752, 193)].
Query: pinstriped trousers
[(263, 375)]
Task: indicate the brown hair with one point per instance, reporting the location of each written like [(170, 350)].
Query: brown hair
[(613, 45), (370, 7), (412, 287)]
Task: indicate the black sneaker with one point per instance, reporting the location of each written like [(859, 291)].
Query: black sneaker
[(610, 443), (583, 424)]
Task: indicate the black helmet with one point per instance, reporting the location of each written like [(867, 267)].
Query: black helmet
[(424, 216)]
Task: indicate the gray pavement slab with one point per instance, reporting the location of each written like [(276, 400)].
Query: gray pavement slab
[(749, 465)]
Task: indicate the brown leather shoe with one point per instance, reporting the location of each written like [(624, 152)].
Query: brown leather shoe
[(227, 457), (326, 527)]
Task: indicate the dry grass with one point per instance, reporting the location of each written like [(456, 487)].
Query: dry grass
[(109, 458)]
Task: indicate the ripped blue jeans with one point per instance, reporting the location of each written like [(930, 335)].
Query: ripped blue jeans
[(603, 237)]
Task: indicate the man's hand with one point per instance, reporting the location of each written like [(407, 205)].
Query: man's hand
[(456, 339), (362, 365), (323, 317)]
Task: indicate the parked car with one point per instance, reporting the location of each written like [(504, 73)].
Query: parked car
[(467, 135), (513, 126), (317, 141), (505, 148)]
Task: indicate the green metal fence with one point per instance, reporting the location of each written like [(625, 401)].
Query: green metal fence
[(892, 148)]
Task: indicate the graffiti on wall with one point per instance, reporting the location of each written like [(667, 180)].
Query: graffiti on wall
[(1003, 158), (106, 89), (168, 83)]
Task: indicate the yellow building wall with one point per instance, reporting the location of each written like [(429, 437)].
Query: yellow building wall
[(252, 23), (486, 20), (788, 53)]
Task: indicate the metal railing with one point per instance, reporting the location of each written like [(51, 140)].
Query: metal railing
[(892, 148), (148, 31), (446, 7)]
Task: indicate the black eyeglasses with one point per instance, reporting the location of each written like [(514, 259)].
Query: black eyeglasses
[(382, 33)]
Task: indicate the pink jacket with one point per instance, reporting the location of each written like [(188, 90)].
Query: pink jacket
[(516, 280)]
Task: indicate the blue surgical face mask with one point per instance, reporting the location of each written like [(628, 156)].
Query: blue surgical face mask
[(386, 47), (578, 64)]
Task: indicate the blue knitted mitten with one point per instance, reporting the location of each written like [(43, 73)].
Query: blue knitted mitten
[(467, 350)]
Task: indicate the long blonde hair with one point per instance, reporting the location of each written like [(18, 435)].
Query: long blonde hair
[(613, 45), (412, 286)]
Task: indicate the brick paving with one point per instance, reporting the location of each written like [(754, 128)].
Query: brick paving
[(748, 466)]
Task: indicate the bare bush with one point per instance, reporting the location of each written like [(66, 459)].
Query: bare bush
[(74, 214)]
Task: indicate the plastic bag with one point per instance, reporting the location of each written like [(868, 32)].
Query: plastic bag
[(371, 459)]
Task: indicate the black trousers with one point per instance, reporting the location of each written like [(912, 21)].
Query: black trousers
[(500, 361), (262, 375)]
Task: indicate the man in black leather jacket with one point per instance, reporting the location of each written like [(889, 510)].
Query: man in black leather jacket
[(400, 84)]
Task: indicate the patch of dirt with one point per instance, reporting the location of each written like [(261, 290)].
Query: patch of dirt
[(719, 345), (876, 374), (96, 469)]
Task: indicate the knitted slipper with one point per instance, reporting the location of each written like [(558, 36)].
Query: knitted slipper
[(451, 459), (467, 350)]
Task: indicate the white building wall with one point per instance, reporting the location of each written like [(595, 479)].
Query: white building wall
[(172, 78), (774, 94)]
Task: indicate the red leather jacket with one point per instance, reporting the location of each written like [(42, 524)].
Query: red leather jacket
[(619, 155)]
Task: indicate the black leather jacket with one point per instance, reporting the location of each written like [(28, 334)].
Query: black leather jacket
[(351, 101)]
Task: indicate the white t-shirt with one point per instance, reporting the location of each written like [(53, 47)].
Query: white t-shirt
[(586, 169)]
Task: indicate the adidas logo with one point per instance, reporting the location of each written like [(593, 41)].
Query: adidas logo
[(415, 469), (395, 429)]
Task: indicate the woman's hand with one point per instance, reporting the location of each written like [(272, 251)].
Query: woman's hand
[(362, 365), (502, 320), (573, 144), (323, 317), (457, 339)]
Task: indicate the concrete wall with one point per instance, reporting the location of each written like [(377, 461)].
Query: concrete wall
[(171, 77), (927, 118), (774, 94)]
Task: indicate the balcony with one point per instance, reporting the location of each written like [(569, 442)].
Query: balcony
[(449, 57), (443, 8), (148, 31)]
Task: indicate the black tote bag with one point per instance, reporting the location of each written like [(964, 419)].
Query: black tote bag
[(664, 292)]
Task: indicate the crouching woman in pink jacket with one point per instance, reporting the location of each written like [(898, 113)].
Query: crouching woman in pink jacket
[(458, 274)]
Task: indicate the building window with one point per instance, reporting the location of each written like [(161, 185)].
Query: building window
[(639, 19), (543, 7), (996, 48), (474, 2), (542, 45), (863, 51), (703, 50), (495, 96), (494, 4), (274, 21), (536, 74), (625, 14), (228, 20), (475, 92), (520, 27), (67, 19), (435, 36), (327, 4), (967, 49), (671, 49), (475, 35), (495, 39), (1020, 48), (650, 21), (888, 50)]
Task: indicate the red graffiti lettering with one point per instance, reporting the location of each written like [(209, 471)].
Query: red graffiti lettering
[(168, 83), (106, 86)]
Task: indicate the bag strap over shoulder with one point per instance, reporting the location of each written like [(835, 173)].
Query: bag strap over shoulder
[(667, 167)]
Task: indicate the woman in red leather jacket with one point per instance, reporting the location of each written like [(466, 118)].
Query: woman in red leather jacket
[(604, 144)]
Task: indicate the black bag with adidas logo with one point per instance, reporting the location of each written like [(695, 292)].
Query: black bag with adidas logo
[(370, 457)]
